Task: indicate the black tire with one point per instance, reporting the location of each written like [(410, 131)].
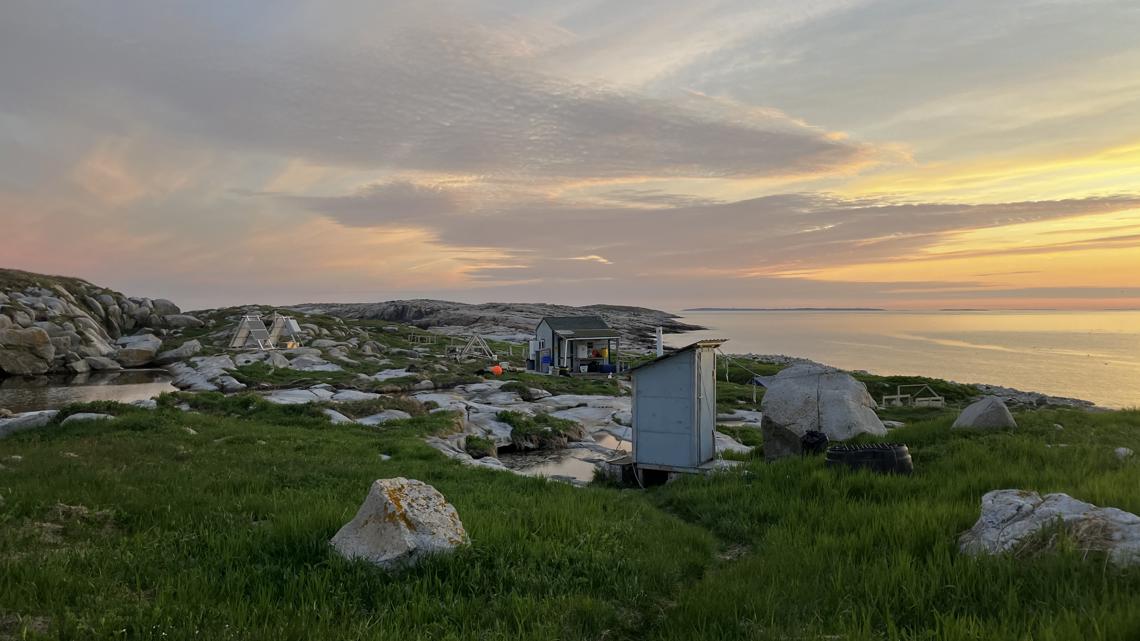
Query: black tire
[(887, 458), (813, 442)]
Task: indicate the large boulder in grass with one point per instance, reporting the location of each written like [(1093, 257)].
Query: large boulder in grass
[(26, 421), (809, 397), (400, 522), (990, 413), (1018, 522)]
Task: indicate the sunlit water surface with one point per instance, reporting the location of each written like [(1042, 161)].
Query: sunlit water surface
[(25, 395), (1089, 355)]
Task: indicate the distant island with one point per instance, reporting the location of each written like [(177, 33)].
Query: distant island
[(784, 309)]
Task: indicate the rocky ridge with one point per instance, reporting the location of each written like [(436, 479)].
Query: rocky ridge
[(504, 321)]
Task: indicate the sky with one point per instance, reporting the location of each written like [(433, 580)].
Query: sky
[(907, 154)]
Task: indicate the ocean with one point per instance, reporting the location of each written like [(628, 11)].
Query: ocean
[(1080, 354)]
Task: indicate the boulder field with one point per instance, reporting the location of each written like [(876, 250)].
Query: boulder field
[(51, 324)]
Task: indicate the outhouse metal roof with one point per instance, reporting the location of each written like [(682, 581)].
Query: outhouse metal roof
[(709, 342)]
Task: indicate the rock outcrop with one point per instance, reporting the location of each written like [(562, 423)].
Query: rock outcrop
[(26, 351), (136, 351), (505, 321), (51, 324), (990, 413), (1014, 521), (26, 421), (400, 522), (808, 397)]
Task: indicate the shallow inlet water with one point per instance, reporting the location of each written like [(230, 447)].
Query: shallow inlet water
[(1089, 355), (44, 393)]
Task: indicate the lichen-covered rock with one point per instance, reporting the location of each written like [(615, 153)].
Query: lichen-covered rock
[(990, 413), (809, 397), (1013, 520), (400, 522)]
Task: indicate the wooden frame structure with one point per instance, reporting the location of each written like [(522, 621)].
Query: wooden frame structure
[(923, 396)]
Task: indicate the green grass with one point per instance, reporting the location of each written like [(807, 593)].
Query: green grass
[(863, 556), (567, 384), (365, 408), (214, 524), (480, 446), (138, 529), (540, 431)]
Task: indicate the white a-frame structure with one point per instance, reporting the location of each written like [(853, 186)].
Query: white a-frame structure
[(251, 331)]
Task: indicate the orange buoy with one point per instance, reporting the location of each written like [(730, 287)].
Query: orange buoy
[(497, 370)]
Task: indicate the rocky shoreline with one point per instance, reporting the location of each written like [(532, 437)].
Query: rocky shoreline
[(504, 321)]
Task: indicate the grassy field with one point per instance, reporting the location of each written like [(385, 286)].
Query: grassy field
[(214, 525)]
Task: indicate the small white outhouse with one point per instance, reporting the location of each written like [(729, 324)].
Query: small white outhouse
[(674, 410)]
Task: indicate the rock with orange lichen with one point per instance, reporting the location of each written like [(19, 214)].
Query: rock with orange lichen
[(400, 522)]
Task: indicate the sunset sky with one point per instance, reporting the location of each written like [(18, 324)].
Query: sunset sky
[(892, 153)]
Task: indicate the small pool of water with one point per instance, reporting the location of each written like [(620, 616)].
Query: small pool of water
[(577, 463), (44, 393)]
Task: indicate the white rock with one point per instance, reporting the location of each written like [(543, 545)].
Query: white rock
[(229, 384), (808, 397), (400, 522), (354, 395), (990, 413), (87, 416), (292, 397), (337, 418), (181, 320), (423, 386), (249, 358), (384, 417), (185, 377), (102, 364), (390, 373), (136, 351), (213, 366), (725, 443), (893, 425), (322, 393), (182, 352), (313, 364), (589, 417), (1122, 452), (277, 361), (146, 404), (26, 421), (1010, 518)]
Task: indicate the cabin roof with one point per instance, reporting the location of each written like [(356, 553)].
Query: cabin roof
[(573, 323)]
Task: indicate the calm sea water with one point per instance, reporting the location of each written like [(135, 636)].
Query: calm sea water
[(1089, 355)]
